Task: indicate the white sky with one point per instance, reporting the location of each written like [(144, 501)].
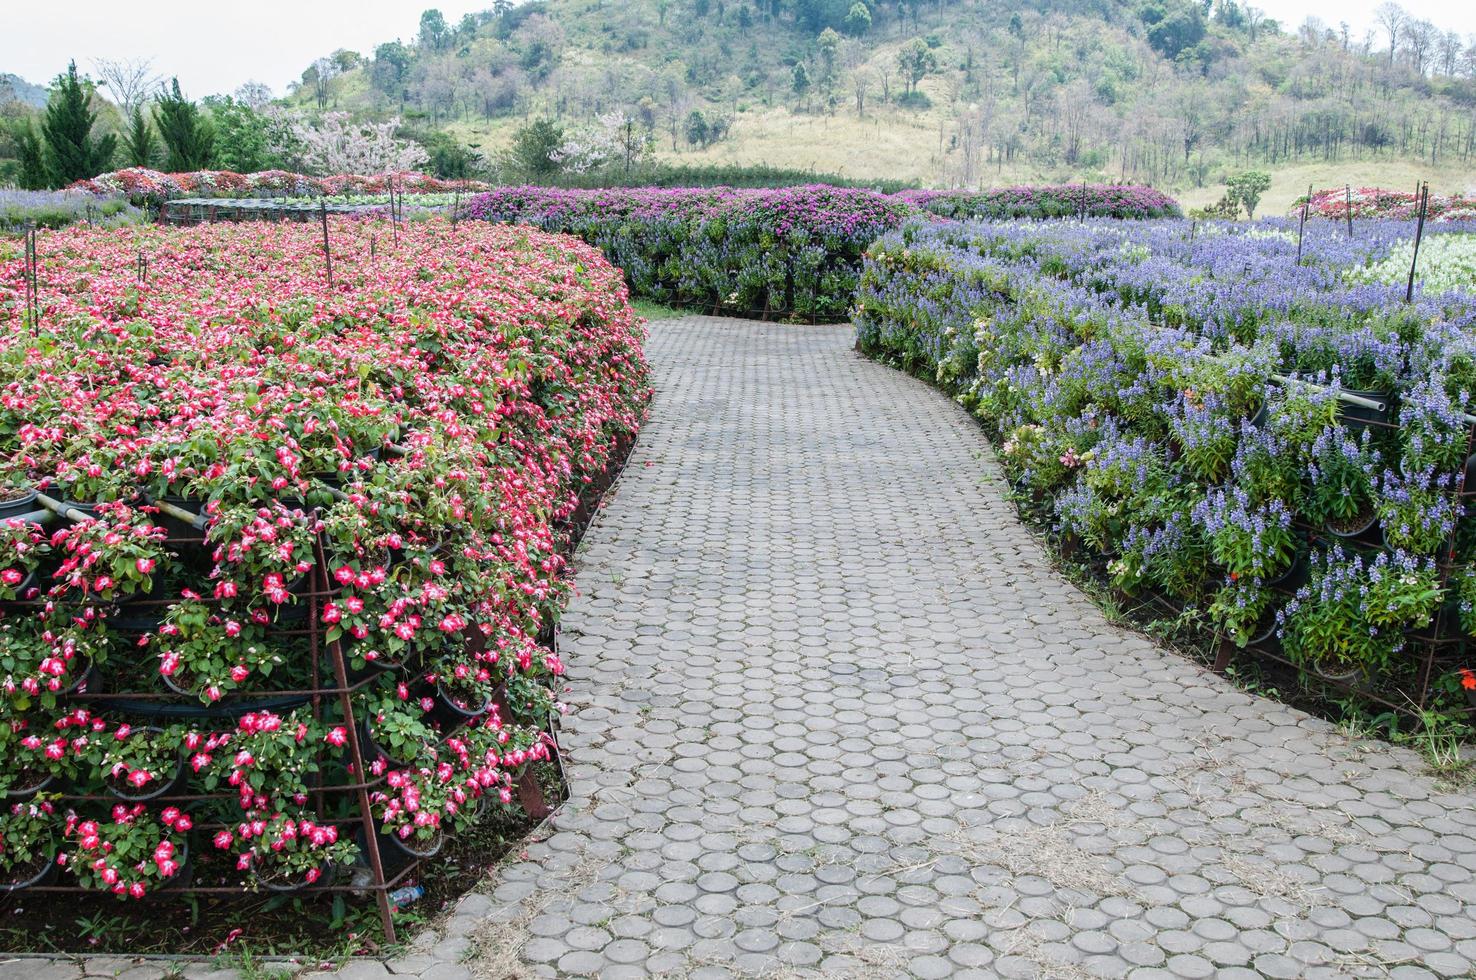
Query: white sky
[(214, 47)]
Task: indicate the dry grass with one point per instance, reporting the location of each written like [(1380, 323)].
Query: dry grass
[(497, 945)]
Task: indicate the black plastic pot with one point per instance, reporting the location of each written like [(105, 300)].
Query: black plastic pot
[(1364, 528), (1264, 635), (161, 788), (45, 876), (1342, 677), (16, 506), (26, 791), (371, 749), (1295, 575), (450, 712), (1357, 416), (396, 854)]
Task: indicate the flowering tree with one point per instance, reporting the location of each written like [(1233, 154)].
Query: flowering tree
[(336, 144)]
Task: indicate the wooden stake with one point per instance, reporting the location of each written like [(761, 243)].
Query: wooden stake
[(1424, 199), (1302, 225), (327, 250), (1349, 211)]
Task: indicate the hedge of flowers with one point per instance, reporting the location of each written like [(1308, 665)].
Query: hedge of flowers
[(1172, 398), (57, 209), (1047, 201), (143, 185), (1380, 202), (792, 251), (788, 252), (403, 445)]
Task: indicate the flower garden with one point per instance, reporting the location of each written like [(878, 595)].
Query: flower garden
[(283, 558), (1259, 431), (286, 508)]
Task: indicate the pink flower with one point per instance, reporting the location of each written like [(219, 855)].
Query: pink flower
[(145, 565)]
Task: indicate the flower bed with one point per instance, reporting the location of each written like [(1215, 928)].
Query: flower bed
[(1047, 201), (143, 185), (1380, 202), (57, 209), (1177, 401), (792, 252), (380, 469)]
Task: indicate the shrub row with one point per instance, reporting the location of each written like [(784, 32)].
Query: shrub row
[(1127, 370), (142, 185), (57, 209), (790, 252), (1048, 201), (1380, 202), (407, 439)]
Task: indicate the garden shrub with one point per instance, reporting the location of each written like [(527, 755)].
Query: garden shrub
[(414, 434), (1126, 370), (791, 252), (144, 186), (1047, 201)]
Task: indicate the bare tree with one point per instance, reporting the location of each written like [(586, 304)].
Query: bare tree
[(1392, 18), (1420, 37), (131, 81), (255, 95)]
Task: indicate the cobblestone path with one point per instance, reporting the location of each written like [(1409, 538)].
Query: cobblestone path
[(834, 715)]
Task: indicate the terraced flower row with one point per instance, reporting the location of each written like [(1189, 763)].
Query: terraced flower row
[(1047, 201), (142, 184), (792, 252), (391, 456), (1178, 399)]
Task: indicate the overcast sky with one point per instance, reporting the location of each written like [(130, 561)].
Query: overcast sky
[(214, 47)]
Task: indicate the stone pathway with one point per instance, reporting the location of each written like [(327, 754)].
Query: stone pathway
[(834, 715)]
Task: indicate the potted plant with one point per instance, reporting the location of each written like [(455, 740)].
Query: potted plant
[(16, 499), (22, 550), (1243, 610), (40, 665), (287, 852), (208, 652), (410, 811), (268, 757), (1250, 541), (129, 855), (114, 558), (141, 763), (464, 690), (1341, 497), (263, 555), (28, 843), (395, 735), (1416, 510)]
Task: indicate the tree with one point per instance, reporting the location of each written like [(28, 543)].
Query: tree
[(29, 154), (800, 79), (140, 146), (243, 136), (916, 61), (189, 137), (254, 95), (696, 128), (1174, 26), (71, 151), (433, 29), (1392, 18), (1246, 189), (448, 158), (131, 81), (858, 20), (390, 68), (335, 144), (534, 151)]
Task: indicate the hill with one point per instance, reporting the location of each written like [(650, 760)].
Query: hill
[(13, 88), (1169, 92)]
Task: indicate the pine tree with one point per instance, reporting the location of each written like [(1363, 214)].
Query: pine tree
[(139, 143), (71, 152), (189, 137), (29, 153)]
